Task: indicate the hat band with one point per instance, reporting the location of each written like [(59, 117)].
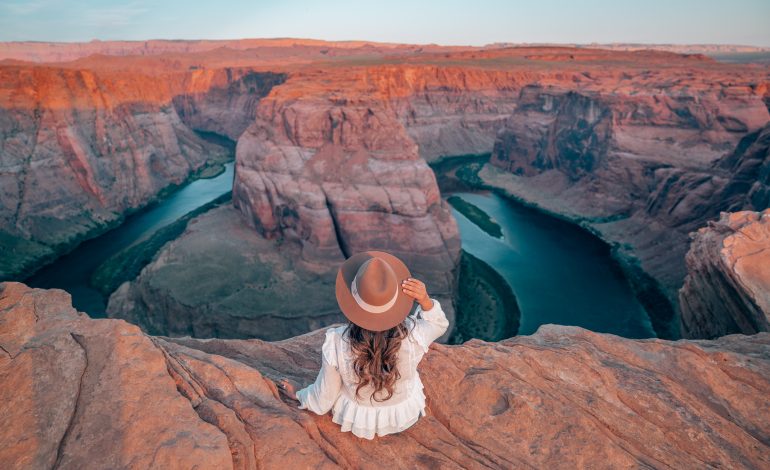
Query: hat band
[(367, 306)]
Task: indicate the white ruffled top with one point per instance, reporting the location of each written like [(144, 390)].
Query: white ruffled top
[(335, 387)]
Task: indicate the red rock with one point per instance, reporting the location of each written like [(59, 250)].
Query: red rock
[(339, 177), (727, 289), (627, 142), (99, 393)]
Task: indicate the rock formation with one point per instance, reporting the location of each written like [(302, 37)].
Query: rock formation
[(79, 151), (632, 144), (727, 289), (639, 169), (221, 278), (342, 176), (79, 393)]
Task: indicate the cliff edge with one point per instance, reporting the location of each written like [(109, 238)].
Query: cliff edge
[(726, 289), (77, 392)]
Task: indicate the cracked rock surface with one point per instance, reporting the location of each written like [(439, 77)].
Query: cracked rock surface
[(82, 393)]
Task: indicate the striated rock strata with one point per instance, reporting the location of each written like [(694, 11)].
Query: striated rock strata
[(727, 289), (339, 177), (90, 393), (639, 169), (81, 148)]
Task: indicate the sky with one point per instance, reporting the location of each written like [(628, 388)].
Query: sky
[(448, 22)]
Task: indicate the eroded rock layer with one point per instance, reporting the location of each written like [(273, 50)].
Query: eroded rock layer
[(641, 146), (90, 393), (81, 148), (727, 289), (640, 169)]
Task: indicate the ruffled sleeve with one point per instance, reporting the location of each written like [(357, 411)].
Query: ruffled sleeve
[(329, 348), (319, 397), (431, 326)]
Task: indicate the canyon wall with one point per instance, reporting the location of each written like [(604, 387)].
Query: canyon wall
[(727, 288), (641, 147), (90, 393), (640, 169), (79, 149)]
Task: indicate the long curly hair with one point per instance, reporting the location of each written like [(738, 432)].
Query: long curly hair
[(376, 356)]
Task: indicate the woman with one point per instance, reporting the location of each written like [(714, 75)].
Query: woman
[(368, 375)]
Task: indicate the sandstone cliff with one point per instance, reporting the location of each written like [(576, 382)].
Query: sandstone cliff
[(89, 393), (632, 144), (641, 170), (82, 148), (727, 289)]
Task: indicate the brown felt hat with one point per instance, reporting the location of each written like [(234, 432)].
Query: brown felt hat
[(369, 290)]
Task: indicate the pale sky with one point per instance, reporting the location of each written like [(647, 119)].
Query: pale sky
[(448, 22)]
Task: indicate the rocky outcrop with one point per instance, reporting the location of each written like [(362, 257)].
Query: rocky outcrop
[(727, 289), (101, 394), (338, 176)]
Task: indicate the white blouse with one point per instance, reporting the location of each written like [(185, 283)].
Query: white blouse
[(335, 387)]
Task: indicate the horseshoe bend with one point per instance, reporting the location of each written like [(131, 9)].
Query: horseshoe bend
[(331, 148)]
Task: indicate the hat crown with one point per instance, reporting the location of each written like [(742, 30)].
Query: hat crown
[(376, 282)]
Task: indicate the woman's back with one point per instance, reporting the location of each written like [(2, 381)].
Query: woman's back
[(336, 385)]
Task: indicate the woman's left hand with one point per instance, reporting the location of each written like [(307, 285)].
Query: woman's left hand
[(287, 388)]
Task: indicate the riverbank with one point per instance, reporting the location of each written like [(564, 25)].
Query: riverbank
[(486, 305), (74, 271), (127, 263), (457, 173)]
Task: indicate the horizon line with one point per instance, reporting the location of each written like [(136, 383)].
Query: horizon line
[(366, 41)]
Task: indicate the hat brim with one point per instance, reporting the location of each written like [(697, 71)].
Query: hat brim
[(368, 320)]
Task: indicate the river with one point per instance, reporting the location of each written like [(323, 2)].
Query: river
[(558, 272), (72, 272)]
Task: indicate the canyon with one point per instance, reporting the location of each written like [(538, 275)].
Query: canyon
[(641, 147), (101, 393), (664, 156)]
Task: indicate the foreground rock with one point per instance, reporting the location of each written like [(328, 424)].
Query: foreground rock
[(726, 289), (100, 394)]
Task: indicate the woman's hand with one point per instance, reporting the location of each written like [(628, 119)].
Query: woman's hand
[(416, 289), (287, 389)]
